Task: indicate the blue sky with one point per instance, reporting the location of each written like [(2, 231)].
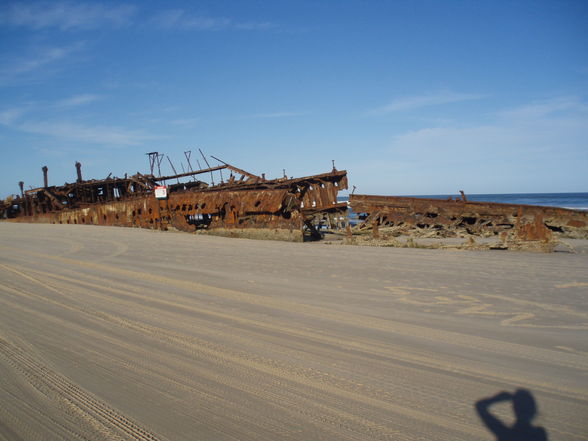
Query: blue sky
[(411, 97)]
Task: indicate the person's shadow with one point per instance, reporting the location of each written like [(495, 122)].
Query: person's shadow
[(524, 408)]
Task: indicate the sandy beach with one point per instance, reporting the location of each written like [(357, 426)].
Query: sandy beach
[(119, 333)]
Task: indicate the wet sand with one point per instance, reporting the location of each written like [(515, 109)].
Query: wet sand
[(114, 333)]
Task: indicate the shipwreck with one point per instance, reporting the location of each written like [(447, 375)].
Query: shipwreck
[(385, 217), (240, 205)]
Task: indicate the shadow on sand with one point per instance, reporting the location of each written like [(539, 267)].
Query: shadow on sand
[(524, 408)]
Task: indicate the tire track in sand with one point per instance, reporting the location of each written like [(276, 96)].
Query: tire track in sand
[(334, 394), (533, 354), (340, 343), (95, 413)]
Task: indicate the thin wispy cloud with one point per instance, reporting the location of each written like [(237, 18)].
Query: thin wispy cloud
[(552, 107), (19, 69), (65, 15), (185, 122), (76, 100), (10, 116), (421, 101), (41, 59), (500, 155), (183, 20), (96, 134), (524, 134), (275, 115), (22, 119)]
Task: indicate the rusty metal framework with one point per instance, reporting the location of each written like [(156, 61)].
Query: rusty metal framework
[(420, 217), (242, 205)]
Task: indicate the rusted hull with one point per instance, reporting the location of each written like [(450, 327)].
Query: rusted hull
[(186, 212), (418, 217), (284, 209)]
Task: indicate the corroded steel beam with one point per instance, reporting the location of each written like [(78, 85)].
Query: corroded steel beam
[(235, 169), (191, 173), (449, 218)]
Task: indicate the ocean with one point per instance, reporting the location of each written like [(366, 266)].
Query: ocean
[(575, 201)]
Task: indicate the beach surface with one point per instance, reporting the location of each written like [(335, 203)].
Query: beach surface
[(118, 333)]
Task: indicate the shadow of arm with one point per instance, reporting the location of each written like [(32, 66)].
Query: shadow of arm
[(494, 424)]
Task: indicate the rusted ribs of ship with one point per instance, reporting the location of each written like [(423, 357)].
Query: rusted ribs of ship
[(241, 205), (420, 217)]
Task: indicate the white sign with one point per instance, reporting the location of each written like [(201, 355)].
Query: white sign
[(161, 192)]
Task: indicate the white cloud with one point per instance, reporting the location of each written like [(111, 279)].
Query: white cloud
[(18, 70), (77, 100), (554, 107), (540, 146), (86, 133), (536, 131), (180, 19), (453, 145), (44, 57), (275, 115), (10, 116), (65, 15), (24, 119), (76, 16), (420, 101), (531, 137), (185, 122), (254, 26)]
